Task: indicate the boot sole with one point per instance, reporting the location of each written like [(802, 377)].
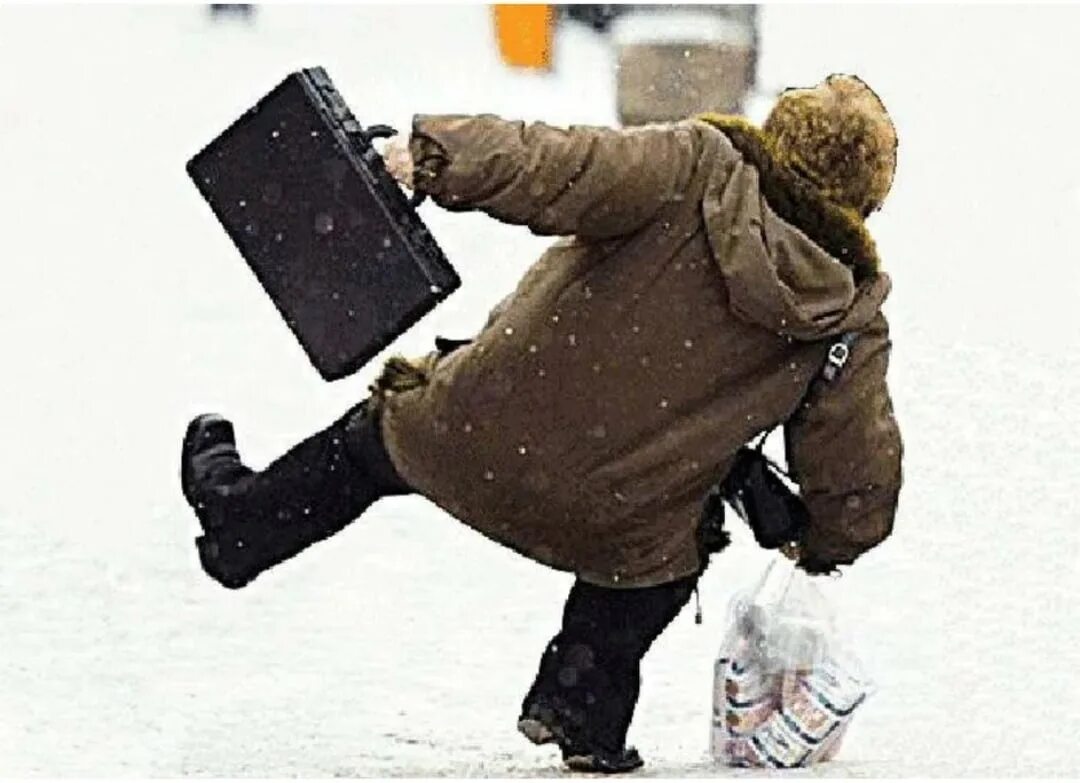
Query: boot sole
[(194, 428), (538, 733), (591, 764)]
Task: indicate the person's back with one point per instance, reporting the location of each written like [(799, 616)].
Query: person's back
[(687, 311)]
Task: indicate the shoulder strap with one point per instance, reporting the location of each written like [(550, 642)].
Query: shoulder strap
[(835, 361)]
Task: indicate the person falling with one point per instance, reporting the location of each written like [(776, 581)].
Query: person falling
[(701, 270)]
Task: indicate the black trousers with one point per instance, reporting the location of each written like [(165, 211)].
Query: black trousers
[(590, 674)]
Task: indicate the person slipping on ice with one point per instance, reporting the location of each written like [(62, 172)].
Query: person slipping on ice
[(704, 268)]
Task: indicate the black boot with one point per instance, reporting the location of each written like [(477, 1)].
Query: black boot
[(209, 463), (254, 520), (582, 701), (545, 722), (587, 686)]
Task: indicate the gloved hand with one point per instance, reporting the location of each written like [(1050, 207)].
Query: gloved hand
[(811, 565), (791, 550)]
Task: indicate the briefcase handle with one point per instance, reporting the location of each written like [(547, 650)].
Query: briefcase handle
[(373, 132)]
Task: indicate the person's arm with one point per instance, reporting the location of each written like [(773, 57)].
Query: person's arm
[(586, 181), (845, 450)]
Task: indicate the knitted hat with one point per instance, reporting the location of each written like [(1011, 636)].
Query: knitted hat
[(838, 136)]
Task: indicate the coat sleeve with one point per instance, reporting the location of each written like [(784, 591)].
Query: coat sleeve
[(591, 182), (845, 449)]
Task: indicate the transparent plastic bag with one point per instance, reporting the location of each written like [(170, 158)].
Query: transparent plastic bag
[(785, 685)]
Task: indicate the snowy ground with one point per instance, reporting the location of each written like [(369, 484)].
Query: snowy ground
[(404, 646)]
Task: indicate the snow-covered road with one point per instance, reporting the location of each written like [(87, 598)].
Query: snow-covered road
[(403, 646)]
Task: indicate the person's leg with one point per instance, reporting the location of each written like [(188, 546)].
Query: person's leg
[(254, 520), (589, 677)]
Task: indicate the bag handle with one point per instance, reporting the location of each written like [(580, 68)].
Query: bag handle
[(373, 132)]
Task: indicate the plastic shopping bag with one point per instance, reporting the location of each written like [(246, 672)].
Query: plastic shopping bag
[(785, 687)]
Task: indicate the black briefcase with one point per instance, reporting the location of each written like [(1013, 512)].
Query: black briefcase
[(331, 237)]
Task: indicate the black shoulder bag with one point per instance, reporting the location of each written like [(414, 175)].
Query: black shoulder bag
[(761, 492)]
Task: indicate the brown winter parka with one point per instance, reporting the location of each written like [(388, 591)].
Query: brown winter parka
[(685, 309)]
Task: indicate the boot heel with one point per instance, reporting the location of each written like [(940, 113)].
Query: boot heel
[(210, 557), (535, 731)]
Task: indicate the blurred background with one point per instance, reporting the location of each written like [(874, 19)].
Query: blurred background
[(404, 646)]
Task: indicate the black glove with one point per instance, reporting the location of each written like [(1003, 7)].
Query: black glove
[(816, 566)]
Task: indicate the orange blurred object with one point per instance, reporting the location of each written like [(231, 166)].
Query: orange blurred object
[(525, 34)]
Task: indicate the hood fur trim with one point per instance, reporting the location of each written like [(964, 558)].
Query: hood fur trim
[(840, 231)]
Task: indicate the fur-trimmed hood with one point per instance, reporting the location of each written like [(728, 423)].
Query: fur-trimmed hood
[(794, 261)]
